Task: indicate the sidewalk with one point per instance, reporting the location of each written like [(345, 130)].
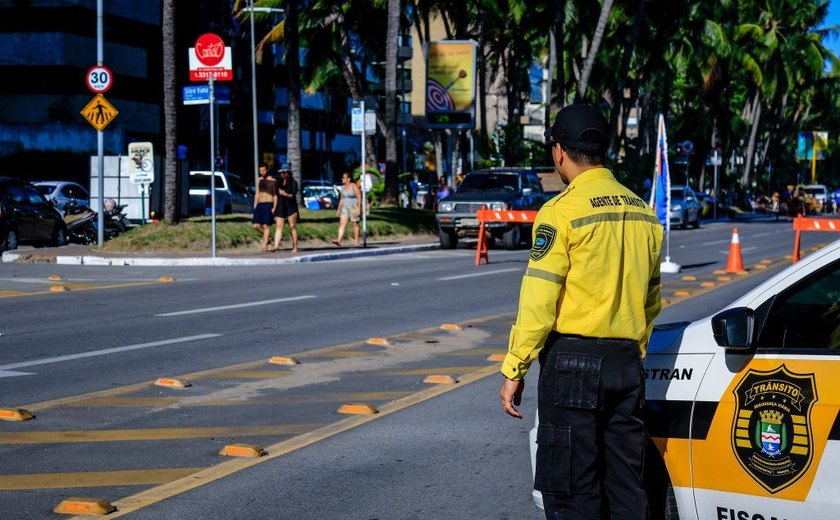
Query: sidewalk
[(89, 255)]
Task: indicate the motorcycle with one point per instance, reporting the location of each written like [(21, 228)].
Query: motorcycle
[(80, 222), (116, 222)]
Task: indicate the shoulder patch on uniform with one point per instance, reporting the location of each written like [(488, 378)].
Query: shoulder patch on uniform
[(543, 241)]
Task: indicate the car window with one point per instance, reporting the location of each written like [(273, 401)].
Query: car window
[(17, 197), (807, 315), (490, 182), (34, 197), (45, 189), (74, 192)]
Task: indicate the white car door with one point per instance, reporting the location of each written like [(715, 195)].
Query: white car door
[(772, 448)]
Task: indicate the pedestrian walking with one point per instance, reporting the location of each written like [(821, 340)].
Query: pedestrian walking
[(442, 192), (287, 207), (586, 309), (265, 202), (349, 209)]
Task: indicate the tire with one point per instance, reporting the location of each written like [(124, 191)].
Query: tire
[(227, 210), (512, 238), (10, 242), (448, 239), (696, 224), (59, 236), (684, 224)]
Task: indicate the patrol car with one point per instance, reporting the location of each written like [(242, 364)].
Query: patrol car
[(742, 407)]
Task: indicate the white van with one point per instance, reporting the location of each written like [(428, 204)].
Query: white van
[(818, 191)]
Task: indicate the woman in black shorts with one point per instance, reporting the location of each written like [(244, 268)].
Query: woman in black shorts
[(265, 202), (287, 207)]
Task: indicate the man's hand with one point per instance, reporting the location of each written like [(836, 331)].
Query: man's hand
[(512, 391)]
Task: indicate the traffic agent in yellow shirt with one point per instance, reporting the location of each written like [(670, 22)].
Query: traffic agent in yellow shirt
[(587, 305)]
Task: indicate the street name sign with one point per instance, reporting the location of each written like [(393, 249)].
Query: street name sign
[(200, 95), (210, 58), (99, 79), (141, 166), (356, 121), (99, 112)]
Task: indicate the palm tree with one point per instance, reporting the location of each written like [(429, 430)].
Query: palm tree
[(586, 72), (391, 47), (169, 112)]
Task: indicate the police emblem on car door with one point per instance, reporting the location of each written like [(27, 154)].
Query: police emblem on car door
[(771, 429)]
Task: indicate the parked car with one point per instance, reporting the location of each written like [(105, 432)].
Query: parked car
[(496, 188), (26, 216), (685, 208), (62, 192), (742, 407), (320, 195), (232, 195)]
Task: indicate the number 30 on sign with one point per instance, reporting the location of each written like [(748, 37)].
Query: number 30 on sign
[(99, 79)]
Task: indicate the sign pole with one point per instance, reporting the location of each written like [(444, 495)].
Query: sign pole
[(364, 184), (212, 170), (813, 157), (100, 141), (143, 204), (714, 207)]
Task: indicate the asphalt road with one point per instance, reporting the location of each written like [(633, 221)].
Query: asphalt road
[(82, 360)]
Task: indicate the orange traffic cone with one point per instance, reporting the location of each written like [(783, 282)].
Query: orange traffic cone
[(735, 264)]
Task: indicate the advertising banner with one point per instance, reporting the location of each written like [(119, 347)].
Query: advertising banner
[(450, 84), (810, 142)]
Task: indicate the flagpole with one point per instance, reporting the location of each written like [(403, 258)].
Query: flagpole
[(664, 174)]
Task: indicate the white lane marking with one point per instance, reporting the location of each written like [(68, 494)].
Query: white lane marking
[(484, 273), (237, 306), (742, 249), (10, 373), (103, 352), (103, 280)]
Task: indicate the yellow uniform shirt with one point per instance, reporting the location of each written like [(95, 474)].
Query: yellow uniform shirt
[(593, 271)]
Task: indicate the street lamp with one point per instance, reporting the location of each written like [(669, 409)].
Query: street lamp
[(251, 10)]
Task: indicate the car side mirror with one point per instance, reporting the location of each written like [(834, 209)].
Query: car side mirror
[(733, 328), (527, 191)]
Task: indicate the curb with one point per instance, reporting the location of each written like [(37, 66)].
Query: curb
[(9, 256)]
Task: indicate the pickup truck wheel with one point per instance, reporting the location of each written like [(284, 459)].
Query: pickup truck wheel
[(10, 243), (512, 238), (448, 239)]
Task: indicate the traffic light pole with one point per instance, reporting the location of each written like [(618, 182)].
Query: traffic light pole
[(100, 141)]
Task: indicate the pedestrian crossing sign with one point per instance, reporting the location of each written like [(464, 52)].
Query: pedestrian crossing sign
[(99, 112)]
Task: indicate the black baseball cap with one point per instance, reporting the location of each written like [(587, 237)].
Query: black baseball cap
[(580, 126)]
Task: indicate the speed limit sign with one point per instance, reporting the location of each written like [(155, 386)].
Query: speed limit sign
[(99, 79)]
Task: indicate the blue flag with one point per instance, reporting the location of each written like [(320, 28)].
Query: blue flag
[(661, 193)]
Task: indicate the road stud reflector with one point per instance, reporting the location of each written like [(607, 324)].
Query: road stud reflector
[(56, 278), (15, 414), (760, 266), (283, 360), (496, 357), (84, 506), (689, 278), (707, 284), (724, 278), (382, 342), (682, 293), (788, 257), (243, 450), (172, 383), (766, 261), (357, 409), (166, 279), (720, 271), (440, 380), (59, 288), (451, 327)]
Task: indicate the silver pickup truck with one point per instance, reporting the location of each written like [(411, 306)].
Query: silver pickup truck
[(495, 188)]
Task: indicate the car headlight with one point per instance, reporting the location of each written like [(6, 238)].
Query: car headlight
[(675, 207), (498, 206), (446, 207)]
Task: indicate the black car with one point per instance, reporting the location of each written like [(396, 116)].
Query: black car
[(26, 216)]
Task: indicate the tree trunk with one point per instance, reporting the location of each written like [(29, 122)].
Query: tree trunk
[(552, 64), (439, 155), (391, 196), (589, 64), (169, 112), (559, 22), (482, 79), (293, 145), (756, 117), (627, 56)]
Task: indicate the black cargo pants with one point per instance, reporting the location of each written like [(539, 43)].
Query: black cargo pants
[(591, 436)]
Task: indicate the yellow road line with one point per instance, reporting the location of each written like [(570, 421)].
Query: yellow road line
[(151, 496), (148, 434), (427, 371), (78, 288), (160, 402), (145, 477)]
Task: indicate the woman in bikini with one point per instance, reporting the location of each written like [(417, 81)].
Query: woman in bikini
[(349, 209)]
